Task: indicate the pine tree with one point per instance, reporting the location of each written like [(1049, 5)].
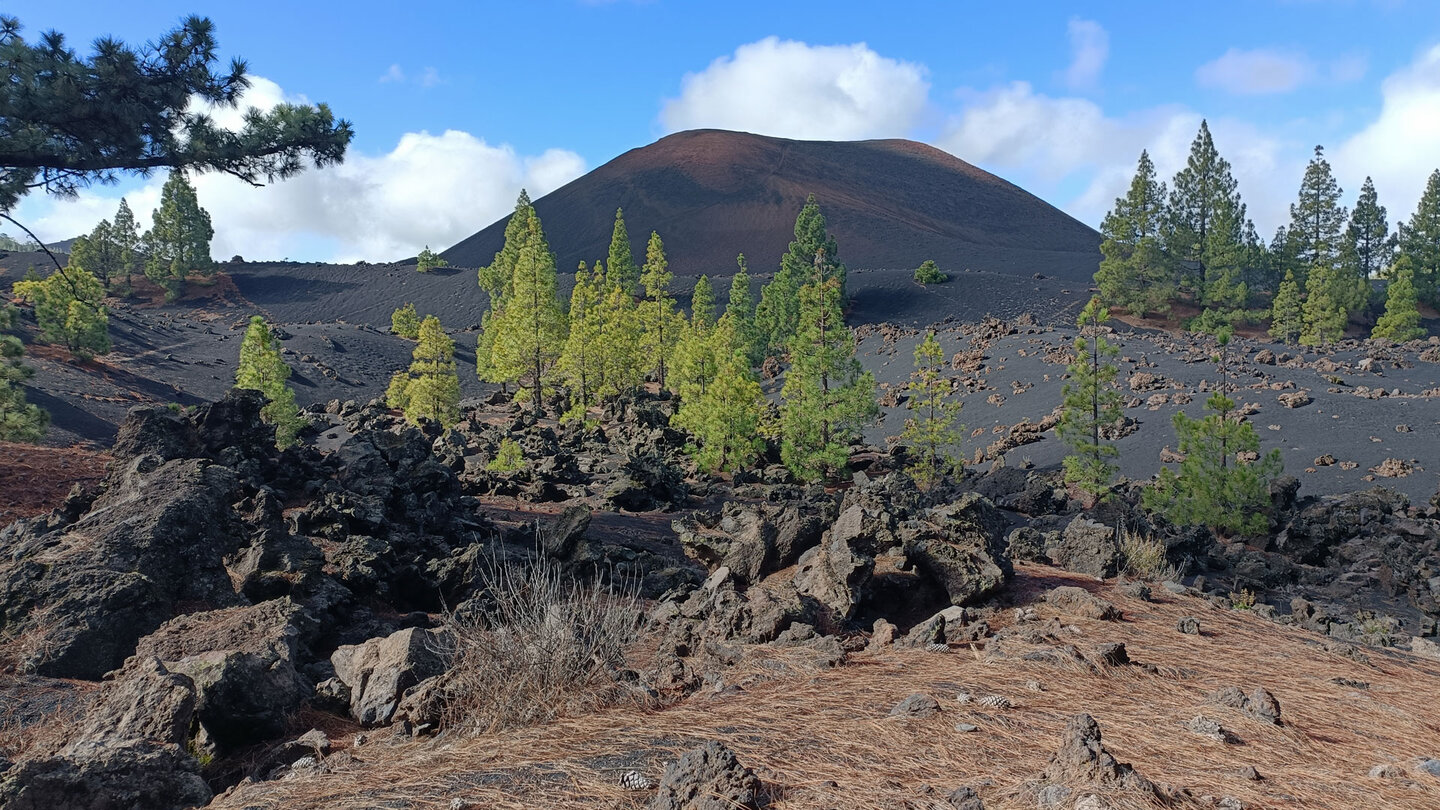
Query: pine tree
[(1204, 214), (624, 356), (1420, 241), (929, 273), (813, 255), (99, 253), (178, 243), (728, 418), (1133, 273), (72, 120), (429, 260), (660, 324), (497, 279), (405, 322), (1369, 247), (262, 369), (1214, 488), (621, 262), (431, 388), (1091, 402), (698, 357), (1401, 321), (931, 430), (1324, 312), (19, 421), (69, 309), (826, 397), (1287, 314), (1225, 253), (582, 363), (530, 331), (741, 308), (702, 301), (126, 233), (1317, 218)]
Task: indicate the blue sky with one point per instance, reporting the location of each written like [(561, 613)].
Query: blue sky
[(458, 104)]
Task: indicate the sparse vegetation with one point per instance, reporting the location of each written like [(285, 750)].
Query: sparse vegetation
[(429, 260), (261, 368), (928, 273), (69, 309), (508, 457), (405, 322), (540, 645), (1145, 558)]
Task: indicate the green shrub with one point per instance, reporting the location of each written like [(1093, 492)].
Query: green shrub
[(405, 322), (508, 458), (928, 273)]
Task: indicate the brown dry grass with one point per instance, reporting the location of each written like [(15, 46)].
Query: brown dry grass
[(822, 738), (35, 479)]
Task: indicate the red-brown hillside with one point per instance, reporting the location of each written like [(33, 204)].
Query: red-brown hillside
[(889, 203)]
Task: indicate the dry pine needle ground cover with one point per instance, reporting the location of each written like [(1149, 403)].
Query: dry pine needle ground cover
[(822, 738)]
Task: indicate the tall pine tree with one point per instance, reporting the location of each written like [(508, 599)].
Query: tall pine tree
[(1091, 402), (433, 391), (827, 397), (741, 307), (1401, 321), (1287, 313), (497, 279), (812, 256), (1369, 247), (530, 331), (1133, 273), (1205, 217), (621, 263), (1420, 241), (727, 419), (262, 369), (660, 323), (581, 364), (1317, 235), (932, 432), (1324, 311), (702, 301), (178, 242)]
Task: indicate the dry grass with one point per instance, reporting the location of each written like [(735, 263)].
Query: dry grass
[(1145, 558), (821, 738), (544, 644)]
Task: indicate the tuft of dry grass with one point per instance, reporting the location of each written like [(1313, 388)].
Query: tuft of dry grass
[(1145, 558), (541, 645), (822, 737)]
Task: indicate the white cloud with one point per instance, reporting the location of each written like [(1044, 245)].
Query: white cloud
[(1045, 143), (1089, 48), (394, 74), (1256, 72), (429, 189), (795, 90), (429, 78), (1401, 147)]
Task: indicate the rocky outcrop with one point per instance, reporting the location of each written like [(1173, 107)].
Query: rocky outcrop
[(128, 751), (242, 662), (752, 540), (1083, 759), (1086, 547), (379, 671), (961, 547), (156, 538), (708, 778)]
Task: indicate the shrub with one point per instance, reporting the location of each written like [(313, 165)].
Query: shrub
[(541, 645), (1145, 558), (1244, 600), (405, 322), (429, 260), (508, 458), (928, 273)]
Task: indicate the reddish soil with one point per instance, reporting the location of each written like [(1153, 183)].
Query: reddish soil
[(889, 203), (34, 480)]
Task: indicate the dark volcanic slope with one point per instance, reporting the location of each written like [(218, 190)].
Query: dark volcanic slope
[(890, 204)]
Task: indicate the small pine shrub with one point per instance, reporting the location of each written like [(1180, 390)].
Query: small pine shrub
[(928, 273), (405, 322), (508, 458)]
